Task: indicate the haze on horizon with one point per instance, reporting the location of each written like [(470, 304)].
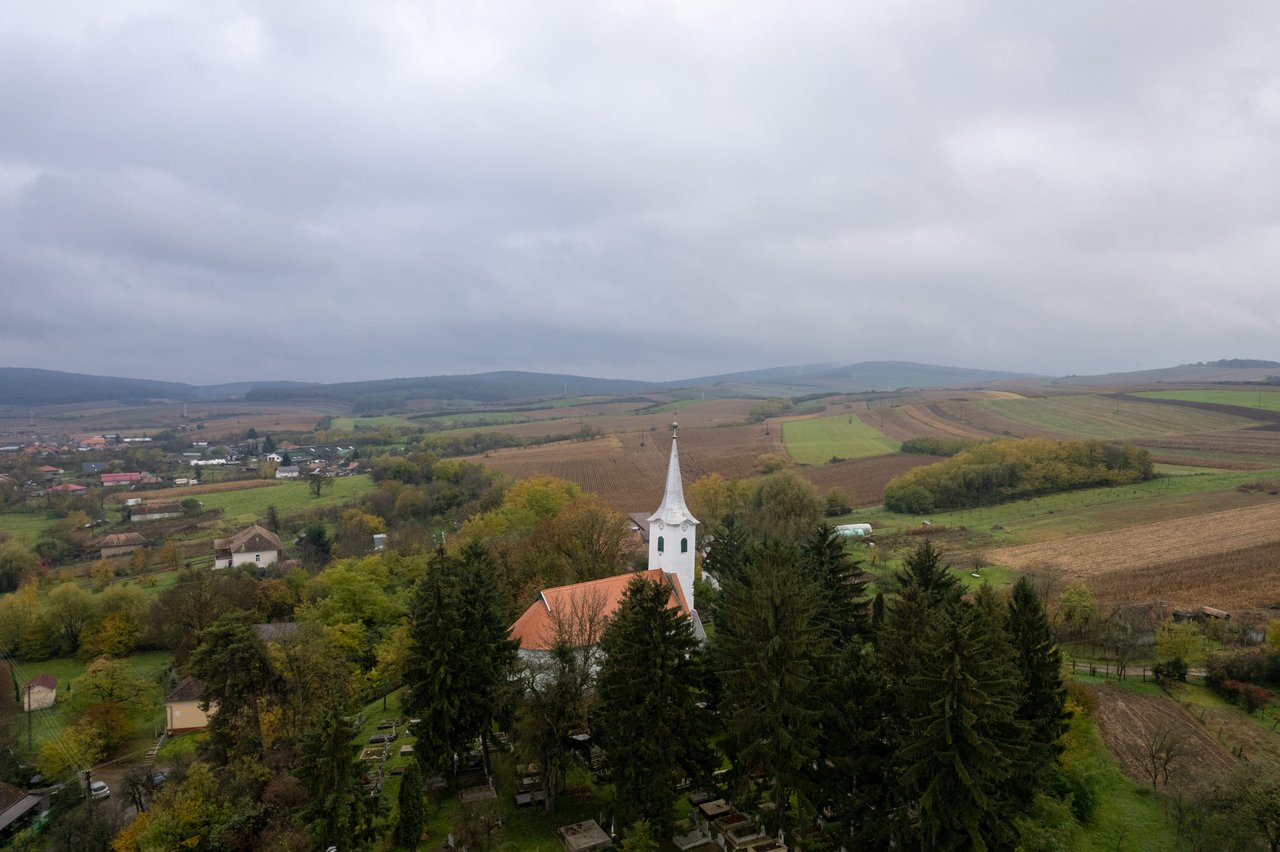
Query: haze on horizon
[(327, 191)]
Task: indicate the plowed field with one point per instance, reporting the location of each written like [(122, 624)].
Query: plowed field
[(864, 479), (1126, 719), (1229, 559), (628, 470)]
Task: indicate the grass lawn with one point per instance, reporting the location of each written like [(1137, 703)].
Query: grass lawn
[(241, 508), (818, 440), (25, 526), (150, 665)]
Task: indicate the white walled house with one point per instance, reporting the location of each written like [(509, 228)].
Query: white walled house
[(253, 545)]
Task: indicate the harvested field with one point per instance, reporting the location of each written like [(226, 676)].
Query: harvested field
[(628, 470), (1127, 719), (1218, 558), (934, 420), (1232, 442), (1110, 417), (864, 479)]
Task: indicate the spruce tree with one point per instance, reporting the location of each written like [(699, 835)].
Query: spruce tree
[(484, 662), (1043, 693), (774, 656), (924, 568), (412, 808), (963, 738), (843, 609), (650, 723), (437, 645)]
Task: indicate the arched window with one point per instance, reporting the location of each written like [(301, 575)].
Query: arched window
[(661, 545), (684, 545)]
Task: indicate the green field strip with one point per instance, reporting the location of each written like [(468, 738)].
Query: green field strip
[(818, 440), (1264, 400), (289, 498), (1093, 416)]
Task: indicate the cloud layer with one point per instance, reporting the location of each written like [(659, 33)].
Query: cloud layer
[(332, 191)]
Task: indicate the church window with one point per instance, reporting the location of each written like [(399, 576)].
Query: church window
[(684, 545), (661, 545)]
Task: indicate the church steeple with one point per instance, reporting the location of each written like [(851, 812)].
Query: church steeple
[(673, 528)]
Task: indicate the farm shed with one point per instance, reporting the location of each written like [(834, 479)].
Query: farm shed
[(118, 544), (156, 512), (40, 693)]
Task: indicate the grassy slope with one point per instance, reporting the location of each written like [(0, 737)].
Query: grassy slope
[(289, 498), (1088, 510), (1090, 416), (24, 526), (48, 723), (1267, 400), (817, 440)]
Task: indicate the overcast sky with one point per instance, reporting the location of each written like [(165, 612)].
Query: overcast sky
[(323, 191)]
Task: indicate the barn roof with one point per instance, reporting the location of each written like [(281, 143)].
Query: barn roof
[(188, 690), (252, 539)]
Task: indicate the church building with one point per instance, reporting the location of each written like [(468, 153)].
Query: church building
[(673, 538)]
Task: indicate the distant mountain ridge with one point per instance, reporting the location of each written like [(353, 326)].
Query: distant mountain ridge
[(23, 386)]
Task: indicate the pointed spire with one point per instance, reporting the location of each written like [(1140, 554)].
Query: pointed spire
[(673, 509)]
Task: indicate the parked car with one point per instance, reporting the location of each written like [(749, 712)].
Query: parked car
[(99, 789)]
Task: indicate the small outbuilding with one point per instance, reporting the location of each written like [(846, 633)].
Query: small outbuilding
[(40, 693), (182, 711), (118, 544)]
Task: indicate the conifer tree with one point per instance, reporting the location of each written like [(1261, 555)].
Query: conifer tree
[(484, 662), (437, 642), (963, 737), (924, 568), (774, 654), (412, 810), (651, 725), (843, 609), (1043, 693)]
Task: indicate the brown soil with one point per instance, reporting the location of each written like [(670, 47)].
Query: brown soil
[(1128, 720), (1227, 559), (864, 479)]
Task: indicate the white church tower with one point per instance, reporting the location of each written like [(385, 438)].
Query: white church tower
[(673, 530)]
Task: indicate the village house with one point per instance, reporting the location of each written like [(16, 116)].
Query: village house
[(288, 471), (182, 711), (40, 693), (118, 544), (254, 545)]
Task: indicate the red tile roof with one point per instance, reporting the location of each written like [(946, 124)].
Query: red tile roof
[(536, 629), (48, 681)]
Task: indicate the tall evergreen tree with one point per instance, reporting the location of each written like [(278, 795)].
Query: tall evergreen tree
[(652, 727), (232, 661), (339, 809), (774, 653), (1043, 693), (437, 645), (484, 663), (412, 809), (963, 737), (842, 607), (924, 568)]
